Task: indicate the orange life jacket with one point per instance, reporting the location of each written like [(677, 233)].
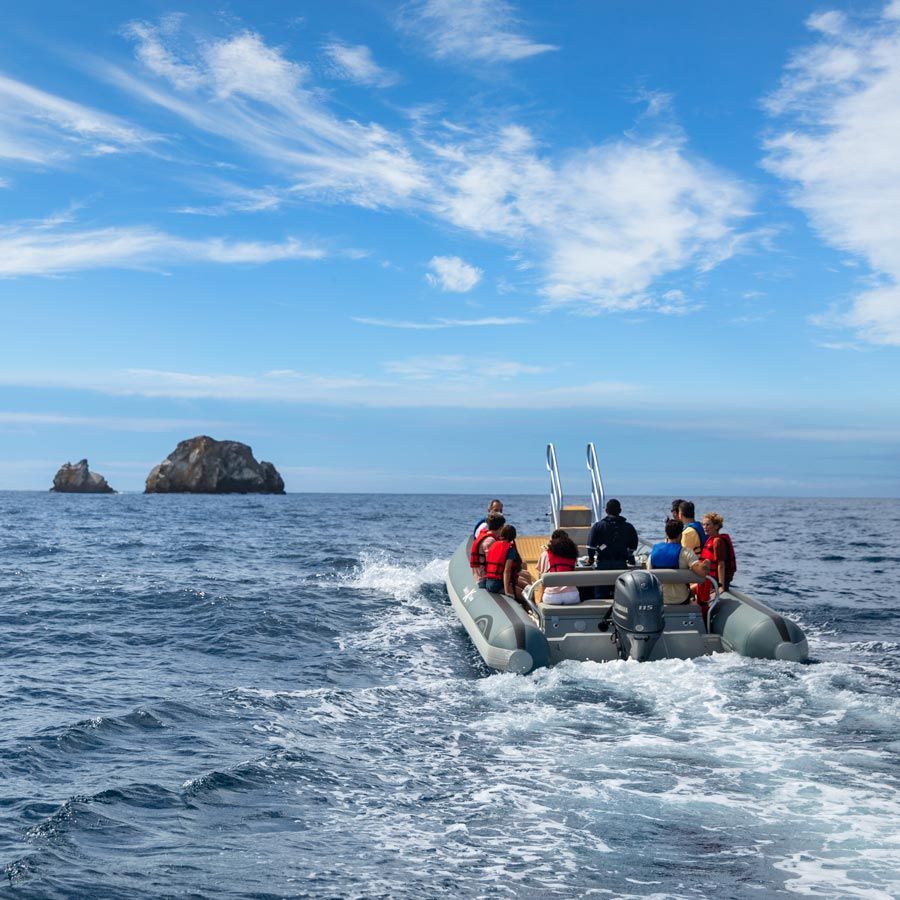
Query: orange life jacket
[(560, 563), (476, 554), (495, 560), (709, 552)]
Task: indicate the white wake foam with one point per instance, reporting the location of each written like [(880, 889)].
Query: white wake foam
[(380, 572)]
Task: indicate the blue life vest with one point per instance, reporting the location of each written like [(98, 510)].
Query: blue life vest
[(700, 532), (665, 555)]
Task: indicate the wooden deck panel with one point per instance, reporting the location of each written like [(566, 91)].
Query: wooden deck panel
[(530, 548)]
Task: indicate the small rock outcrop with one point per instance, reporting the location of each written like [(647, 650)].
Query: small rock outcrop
[(79, 479), (202, 465)]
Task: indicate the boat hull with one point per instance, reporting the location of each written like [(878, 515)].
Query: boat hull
[(502, 632), (510, 639)]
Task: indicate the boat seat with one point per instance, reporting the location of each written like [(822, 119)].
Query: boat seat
[(586, 607)]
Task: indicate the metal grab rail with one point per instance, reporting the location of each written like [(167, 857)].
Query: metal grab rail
[(597, 496), (527, 594), (556, 497)]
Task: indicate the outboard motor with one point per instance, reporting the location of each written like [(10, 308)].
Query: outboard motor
[(637, 614)]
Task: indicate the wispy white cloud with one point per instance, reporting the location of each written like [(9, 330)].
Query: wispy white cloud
[(437, 324), (109, 423), (42, 249), (442, 382), (236, 198), (840, 99), (354, 62), (157, 57), (450, 273), (841, 345), (42, 128), (404, 390), (830, 22), (245, 66), (609, 220), (458, 30), (675, 303), (248, 93), (602, 225), (769, 425), (458, 368)]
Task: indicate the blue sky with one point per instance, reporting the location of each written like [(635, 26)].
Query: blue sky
[(400, 246)]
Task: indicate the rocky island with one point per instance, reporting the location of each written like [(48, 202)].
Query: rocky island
[(203, 465), (79, 479)]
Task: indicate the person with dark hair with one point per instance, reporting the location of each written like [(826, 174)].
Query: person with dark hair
[(611, 543), (670, 554), (495, 506), (693, 537), (675, 505), (503, 564), (561, 555), (481, 544)]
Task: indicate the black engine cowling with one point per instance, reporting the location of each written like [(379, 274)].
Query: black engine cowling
[(637, 614)]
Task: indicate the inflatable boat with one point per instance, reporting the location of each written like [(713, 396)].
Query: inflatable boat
[(635, 624)]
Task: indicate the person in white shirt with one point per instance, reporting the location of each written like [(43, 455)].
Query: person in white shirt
[(561, 555)]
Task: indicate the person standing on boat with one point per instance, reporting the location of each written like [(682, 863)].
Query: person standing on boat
[(482, 543), (495, 506), (670, 554), (719, 552), (561, 555), (612, 543), (693, 537)]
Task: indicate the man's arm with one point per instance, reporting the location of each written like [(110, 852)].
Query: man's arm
[(632, 538), (697, 566), (701, 567)]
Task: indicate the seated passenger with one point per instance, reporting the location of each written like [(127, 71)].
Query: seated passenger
[(502, 565), (561, 555), (693, 537), (719, 552), (481, 544), (671, 555), (495, 506)]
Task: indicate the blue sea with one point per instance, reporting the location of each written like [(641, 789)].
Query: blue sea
[(246, 696)]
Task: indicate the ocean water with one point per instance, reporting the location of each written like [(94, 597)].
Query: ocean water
[(272, 697)]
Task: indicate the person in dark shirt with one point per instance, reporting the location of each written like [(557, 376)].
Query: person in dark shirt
[(676, 506), (611, 544)]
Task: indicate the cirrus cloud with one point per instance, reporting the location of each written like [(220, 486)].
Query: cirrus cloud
[(484, 30), (52, 248), (840, 100), (42, 128), (601, 224), (356, 63)]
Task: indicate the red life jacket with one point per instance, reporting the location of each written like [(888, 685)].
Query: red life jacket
[(709, 552), (476, 554), (495, 560), (560, 563)]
